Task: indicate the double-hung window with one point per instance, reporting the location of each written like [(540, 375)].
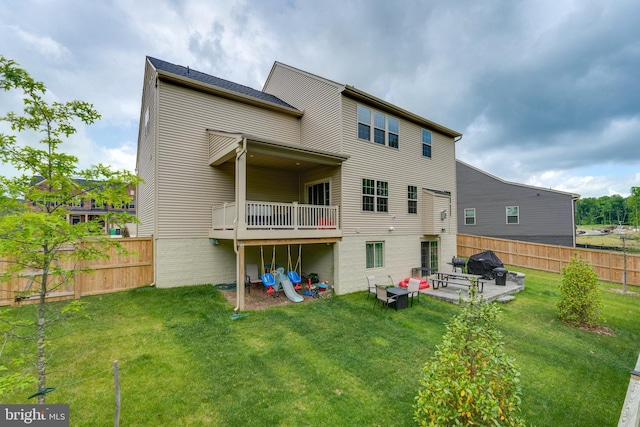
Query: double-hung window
[(393, 131), (513, 215), (379, 128), (364, 123), (470, 216), (375, 254), (375, 195), (412, 199), (385, 128), (426, 143)]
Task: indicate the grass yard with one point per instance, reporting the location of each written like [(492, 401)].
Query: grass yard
[(612, 239), (335, 361)]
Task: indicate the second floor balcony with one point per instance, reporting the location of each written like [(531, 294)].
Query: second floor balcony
[(271, 220)]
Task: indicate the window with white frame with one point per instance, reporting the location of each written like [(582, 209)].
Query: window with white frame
[(375, 195), (470, 216), (385, 128), (364, 123), (426, 143), (375, 254), (412, 199), (513, 215), (318, 193)]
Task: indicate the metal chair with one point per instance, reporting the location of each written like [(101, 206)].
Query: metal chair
[(251, 275), (414, 289), (382, 295), (371, 280)]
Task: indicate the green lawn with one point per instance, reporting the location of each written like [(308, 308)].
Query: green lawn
[(334, 361)]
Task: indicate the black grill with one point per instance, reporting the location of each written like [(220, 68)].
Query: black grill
[(458, 262)]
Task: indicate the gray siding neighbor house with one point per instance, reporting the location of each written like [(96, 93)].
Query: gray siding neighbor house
[(236, 176), (489, 206)]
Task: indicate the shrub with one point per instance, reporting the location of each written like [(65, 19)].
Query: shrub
[(580, 302), (470, 380)]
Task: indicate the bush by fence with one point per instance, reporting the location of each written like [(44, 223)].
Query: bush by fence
[(116, 273), (608, 265)]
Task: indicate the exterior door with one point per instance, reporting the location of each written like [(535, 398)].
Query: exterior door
[(318, 193), (429, 256)]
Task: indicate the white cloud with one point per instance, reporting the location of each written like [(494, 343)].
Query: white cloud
[(120, 158), (43, 45)]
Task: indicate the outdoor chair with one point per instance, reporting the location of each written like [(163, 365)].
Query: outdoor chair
[(382, 295), (414, 289), (251, 275), (371, 280)]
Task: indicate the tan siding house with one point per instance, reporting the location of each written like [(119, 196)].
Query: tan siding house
[(231, 173)]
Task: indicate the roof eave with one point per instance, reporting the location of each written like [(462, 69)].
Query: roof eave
[(225, 93), (574, 196), (359, 95)]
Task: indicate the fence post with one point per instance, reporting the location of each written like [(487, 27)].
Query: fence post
[(116, 380)]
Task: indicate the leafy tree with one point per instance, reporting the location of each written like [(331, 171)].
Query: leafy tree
[(579, 303), (19, 378), (35, 233), (470, 380), (632, 205)]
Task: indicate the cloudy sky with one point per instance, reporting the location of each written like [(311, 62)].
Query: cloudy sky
[(546, 92)]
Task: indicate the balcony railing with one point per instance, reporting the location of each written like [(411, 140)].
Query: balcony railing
[(271, 216)]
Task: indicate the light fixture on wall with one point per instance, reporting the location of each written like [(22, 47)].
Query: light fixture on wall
[(391, 228), (443, 215), (214, 241)]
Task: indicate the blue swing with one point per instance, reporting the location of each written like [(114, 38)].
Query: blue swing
[(267, 278), (292, 274)]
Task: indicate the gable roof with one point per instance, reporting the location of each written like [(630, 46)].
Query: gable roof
[(572, 195), (182, 73), (364, 97), (381, 104)]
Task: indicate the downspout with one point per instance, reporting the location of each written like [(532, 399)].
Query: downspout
[(239, 153)]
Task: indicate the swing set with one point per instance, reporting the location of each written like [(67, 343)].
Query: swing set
[(293, 273), (267, 277)]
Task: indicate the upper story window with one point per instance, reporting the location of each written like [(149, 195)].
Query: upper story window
[(513, 215), (412, 199), (470, 216), (364, 123), (375, 195), (385, 128), (426, 143)]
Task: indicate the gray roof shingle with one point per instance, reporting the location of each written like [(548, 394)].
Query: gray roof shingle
[(189, 73)]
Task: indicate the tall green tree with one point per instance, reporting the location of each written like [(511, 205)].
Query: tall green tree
[(633, 203), (35, 232)]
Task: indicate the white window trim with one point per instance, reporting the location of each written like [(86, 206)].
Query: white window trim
[(412, 200), (374, 243), (372, 127), (312, 183), (375, 195), (465, 215), (507, 215), (430, 144)]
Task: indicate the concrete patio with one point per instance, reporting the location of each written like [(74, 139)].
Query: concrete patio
[(491, 292)]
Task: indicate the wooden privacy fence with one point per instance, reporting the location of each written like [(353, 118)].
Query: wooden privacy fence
[(608, 265), (113, 274)]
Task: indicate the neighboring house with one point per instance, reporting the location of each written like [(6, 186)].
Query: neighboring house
[(83, 209), (489, 206), (234, 175)]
